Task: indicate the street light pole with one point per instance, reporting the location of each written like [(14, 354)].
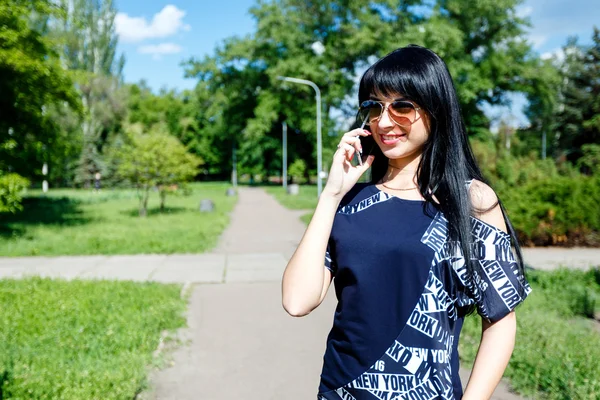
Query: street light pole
[(284, 125), (319, 141), (234, 180)]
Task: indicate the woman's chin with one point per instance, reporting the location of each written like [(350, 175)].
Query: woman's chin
[(396, 153)]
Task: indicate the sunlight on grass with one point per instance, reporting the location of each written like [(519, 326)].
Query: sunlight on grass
[(82, 339), (81, 222)]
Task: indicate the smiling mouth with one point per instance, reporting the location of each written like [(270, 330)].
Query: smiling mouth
[(391, 137)]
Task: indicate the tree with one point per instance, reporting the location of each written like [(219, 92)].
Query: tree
[(86, 32), (31, 81), (155, 160), (481, 42), (578, 117)]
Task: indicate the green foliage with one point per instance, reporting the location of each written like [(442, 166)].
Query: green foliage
[(81, 340), (105, 111), (31, 80), (238, 90), (555, 210), (576, 121), (80, 222), (297, 170), (590, 159), (548, 204), (557, 352), (155, 160), (11, 192)]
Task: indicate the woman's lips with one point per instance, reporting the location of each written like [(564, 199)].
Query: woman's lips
[(392, 139)]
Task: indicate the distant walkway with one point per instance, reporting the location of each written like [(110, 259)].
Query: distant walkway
[(241, 344)]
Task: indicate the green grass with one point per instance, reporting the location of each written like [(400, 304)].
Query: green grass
[(81, 222), (81, 340), (305, 200), (557, 353)]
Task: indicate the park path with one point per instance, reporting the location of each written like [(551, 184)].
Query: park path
[(239, 342)]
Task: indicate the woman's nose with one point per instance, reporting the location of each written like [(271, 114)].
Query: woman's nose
[(384, 121)]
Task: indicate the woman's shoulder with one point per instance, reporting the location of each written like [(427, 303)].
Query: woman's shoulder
[(485, 204)]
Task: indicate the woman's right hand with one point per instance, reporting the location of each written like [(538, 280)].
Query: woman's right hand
[(343, 175)]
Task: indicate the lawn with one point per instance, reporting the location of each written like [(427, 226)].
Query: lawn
[(557, 353), (81, 222), (82, 339)]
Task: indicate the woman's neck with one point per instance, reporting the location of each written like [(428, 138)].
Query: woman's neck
[(403, 171)]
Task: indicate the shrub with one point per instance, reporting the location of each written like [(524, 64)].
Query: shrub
[(556, 210), (11, 190), (297, 171)]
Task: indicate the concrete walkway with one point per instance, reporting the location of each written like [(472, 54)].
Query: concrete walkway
[(240, 342)]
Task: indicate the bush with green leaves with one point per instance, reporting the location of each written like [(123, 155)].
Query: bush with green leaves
[(297, 171), (548, 203), (11, 192), (556, 210)]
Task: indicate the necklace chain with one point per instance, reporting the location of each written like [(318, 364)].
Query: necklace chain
[(386, 186)]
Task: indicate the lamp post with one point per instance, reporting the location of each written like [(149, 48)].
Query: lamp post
[(284, 126), (319, 145)]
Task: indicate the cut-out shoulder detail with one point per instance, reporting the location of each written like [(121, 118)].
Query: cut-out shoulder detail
[(482, 196), (486, 207)]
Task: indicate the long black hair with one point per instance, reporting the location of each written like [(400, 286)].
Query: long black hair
[(447, 162)]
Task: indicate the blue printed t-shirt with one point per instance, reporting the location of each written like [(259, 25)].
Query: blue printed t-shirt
[(396, 326)]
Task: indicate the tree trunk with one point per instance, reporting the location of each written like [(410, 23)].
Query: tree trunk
[(163, 197), (144, 203)]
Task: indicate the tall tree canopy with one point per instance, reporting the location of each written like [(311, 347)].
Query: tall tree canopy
[(31, 80), (578, 117), (243, 102)]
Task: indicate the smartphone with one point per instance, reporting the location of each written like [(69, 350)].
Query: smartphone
[(366, 143)]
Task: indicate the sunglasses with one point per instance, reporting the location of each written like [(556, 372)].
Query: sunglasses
[(401, 112)]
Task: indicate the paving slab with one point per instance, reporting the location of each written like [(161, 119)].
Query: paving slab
[(27, 262), (192, 268), (244, 346), (259, 224), (266, 267), (548, 258), (135, 268)]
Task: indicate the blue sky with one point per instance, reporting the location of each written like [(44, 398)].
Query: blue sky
[(157, 35)]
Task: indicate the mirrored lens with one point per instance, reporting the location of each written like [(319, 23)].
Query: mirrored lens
[(369, 110), (402, 109), (402, 112)]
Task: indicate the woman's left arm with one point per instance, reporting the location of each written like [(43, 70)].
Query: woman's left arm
[(495, 349), (498, 338)]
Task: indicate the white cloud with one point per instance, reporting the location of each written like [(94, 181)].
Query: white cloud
[(537, 40), (158, 50), (558, 54), (524, 11), (165, 23)]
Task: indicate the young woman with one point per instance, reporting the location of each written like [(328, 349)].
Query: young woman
[(413, 251)]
